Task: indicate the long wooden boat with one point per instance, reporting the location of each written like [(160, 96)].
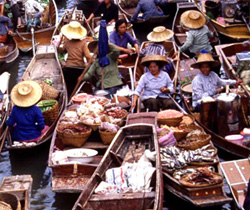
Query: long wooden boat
[(42, 35), (20, 186), (237, 174), (126, 140), (180, 34), (44, 65), (11, 51)]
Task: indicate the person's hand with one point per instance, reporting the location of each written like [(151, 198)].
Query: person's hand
[(10, 32), (87, 20), (128, 51), (137, 50), (219, 90), (132, 106), (165, 90)]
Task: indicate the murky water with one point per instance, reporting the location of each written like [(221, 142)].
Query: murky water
[(35, 162)]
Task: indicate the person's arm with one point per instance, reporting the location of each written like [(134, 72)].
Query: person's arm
[(4, 19), (137, 11), (169, 86), (86, 52), (90, 17), (188, 43), (198, 92), (138, 91), (161, 2), (39, 119), (115, 52), (91, 71), (110, 22), (11, 120), (223, 82)]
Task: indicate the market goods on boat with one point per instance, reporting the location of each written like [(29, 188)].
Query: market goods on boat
[(9, 51)]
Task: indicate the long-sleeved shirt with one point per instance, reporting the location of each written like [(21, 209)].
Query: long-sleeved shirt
[(148, 8), (3, 28), (197, 40), (28, 122), (116, 39), (106, 13), (33, 7), (153, 49), (111, 73), (204, 86), (152, 85)]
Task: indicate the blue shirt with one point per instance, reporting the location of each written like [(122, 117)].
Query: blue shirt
[(29, 122), (152, 85), (148, 8), (116, 39), (3, 28)]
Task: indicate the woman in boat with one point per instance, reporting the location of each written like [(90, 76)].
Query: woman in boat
[(107, 10), (5, 30), (207, 83), (112, 80), (26, 118), (156, 85), (198, 34), (120, 37), (157, 38)]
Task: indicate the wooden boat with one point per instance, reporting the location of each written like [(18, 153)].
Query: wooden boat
[(44, 65), (180, 34), (10, 52), (237, 176), (42, 35), (143, 117), (138, 135), (129, 12), (20, 186)]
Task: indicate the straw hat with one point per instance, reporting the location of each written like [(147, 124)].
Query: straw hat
[(205, 58), (155, 58), (193, 19), (74, 30), (26, 93), (160, 34)]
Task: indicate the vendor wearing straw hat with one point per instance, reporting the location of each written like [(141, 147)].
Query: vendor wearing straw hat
[(156, 85), (198, 35), (26, 118), (207, 83)]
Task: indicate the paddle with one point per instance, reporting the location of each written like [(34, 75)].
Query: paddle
[(177, 71)]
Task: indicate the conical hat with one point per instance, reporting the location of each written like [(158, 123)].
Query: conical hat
[(26, 93), (74, 30), (155, 58), (160, 34), (205, 58), (193, 19)]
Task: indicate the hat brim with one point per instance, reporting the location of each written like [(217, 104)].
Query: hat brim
[(151, 37), (73, 35), (146, 62), (211, 63), (192, 24)]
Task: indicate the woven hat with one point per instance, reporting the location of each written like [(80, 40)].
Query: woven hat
[(74, 30), (160, 34), (26, 93), (93, 46), (155, 58), (193, 19), (205, 58)]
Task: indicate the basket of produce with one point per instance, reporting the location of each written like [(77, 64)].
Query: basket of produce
[(194, 129), (81, 98), (169, 117), (107, 132), (49, 92), (192, 142), (179, 132), (73, 134), (187, 120), (50, 110), (118, 114), (9, 201)]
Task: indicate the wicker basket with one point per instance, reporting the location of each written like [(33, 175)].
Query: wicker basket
[(180, 135), (199, 141), (51, 115), (189, 128), (169, 121), (107, 136), (187, 120), (9, 201), (94, 127), (68, 137), (49, 92)]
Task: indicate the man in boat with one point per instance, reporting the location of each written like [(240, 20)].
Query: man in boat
[(5, 30), (121, 38), (157, 38), (77, 49), (156, 85), (207, 83), (112, 80), (198, 34), (26, 118), (15, 9), (107, 10), (33, 11), (149, 9)]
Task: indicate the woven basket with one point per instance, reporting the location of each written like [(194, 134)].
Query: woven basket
[(51, 115), (189, 128), (49, 92), (187, 120), (107, 136), (169, 121), (68, 137), (200, 141), (180, 135), (9, 201), (94, 127)]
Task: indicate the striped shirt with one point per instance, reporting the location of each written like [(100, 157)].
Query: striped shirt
[(153, 49)]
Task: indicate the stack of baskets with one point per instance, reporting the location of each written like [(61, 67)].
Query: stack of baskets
[(9, 201)]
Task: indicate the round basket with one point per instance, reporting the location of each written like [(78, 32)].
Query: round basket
[(187, 120), (198, 142), (49, 92), (180, 135), (9, 201), (106, 136), (69, 137), (94, 127), (51, 115), (189, 128), (170, 121), (187, 88)]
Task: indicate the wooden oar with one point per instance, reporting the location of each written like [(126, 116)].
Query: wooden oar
[(177, 71), (3, 139)]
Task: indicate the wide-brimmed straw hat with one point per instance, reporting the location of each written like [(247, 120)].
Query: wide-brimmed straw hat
[(74, 30), (160, 34), (26, 93), (145, 61), (205, 58), (193, 19), (93, 46)]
